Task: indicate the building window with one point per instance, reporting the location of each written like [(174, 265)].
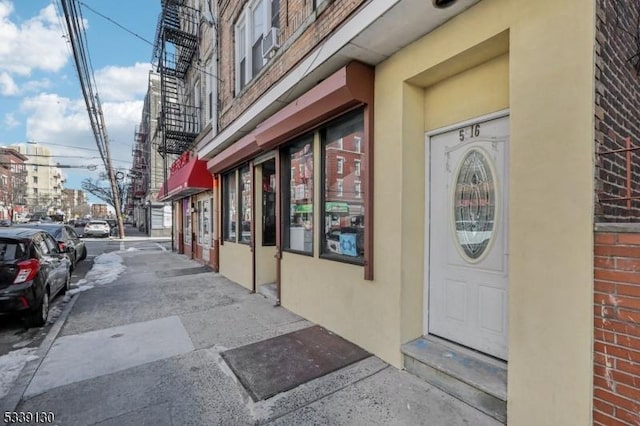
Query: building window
[(237, 205), (230, 206), (254, 22), (258, 23), (339, 165), (298, 201), (245, 204), (241, 56), (35, 179), (342, 212), (357, 141)]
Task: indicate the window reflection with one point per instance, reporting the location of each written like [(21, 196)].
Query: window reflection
[(343, 210), (245, 182), (230, 203), (298, 229)]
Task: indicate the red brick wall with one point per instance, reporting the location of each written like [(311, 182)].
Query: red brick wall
[(617, 106), (294, 15), (616, 346)]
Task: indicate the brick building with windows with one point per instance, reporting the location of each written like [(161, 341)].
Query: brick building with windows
[(388, 167), (13, 183)]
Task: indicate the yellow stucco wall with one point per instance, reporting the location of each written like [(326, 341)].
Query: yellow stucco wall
[(235, 263), (551, 86)]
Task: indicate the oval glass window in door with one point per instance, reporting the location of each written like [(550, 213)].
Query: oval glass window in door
[(474, 204)]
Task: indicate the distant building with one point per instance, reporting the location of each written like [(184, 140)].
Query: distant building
[(74, 203), (44, 181), (99, 211), (13, 178)]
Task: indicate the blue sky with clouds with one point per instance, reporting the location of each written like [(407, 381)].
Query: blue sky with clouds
[(40, 97)]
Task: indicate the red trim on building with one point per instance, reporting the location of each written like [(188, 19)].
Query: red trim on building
[(191, 178)]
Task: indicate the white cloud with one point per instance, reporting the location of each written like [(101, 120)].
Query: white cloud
[(54, 121), (37, 43), (123, 83), (10, 121), (8, 87)]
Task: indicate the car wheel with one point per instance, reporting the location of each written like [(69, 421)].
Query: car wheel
[(83, 256), (38, 317)]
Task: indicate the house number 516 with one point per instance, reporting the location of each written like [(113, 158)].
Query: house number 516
[(470, 132)]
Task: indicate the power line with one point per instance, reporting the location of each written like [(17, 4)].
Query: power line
[(116, 23)]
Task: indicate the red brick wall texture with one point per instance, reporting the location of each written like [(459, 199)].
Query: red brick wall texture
[(616, 345)]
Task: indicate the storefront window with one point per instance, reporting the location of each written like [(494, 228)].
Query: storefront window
[(298, 226), (200, 223), (343, 203), (205, 218), (186, 220), (245, 204), (230, 206)]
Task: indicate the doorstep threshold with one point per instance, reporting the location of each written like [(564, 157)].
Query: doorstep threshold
[(474, 378)]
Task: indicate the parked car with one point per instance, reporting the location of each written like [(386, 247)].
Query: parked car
[(80, 223), (97, 227), (5, 222), (113, 224), (67, 238), (33, 270)]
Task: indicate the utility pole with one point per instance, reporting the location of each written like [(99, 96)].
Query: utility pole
[(112, 176)]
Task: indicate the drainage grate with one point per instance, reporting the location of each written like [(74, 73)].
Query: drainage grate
[(184, 271)]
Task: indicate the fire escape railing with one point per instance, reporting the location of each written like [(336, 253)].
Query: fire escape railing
[(176, 46)]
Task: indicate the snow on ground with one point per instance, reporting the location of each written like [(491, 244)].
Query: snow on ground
[(106, 268), (11, 365)]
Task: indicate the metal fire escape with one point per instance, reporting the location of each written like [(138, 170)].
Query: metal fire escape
[(175, 47), (139, 170)]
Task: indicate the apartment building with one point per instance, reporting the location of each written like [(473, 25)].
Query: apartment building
[(430, 180), (147, 171), (13, 184), (75, 204), (45, 181)]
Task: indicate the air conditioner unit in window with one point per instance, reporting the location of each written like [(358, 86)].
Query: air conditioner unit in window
[(270, 42)]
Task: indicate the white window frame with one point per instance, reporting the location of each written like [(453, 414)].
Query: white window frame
[(339, 187), (357, 167), (357, 188), (245, 22), (340, 164)]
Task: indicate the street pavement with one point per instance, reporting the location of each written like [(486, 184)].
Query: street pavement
[(145, 349)]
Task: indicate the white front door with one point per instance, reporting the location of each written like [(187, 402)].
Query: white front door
[(467, 223)]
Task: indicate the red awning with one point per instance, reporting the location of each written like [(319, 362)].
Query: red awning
[(190, 179)]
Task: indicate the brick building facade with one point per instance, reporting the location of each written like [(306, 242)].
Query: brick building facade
[(617, 213)]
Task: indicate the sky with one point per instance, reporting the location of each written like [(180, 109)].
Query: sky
[(40, 96)]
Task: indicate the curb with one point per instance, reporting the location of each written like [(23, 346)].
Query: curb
[(10, 402)]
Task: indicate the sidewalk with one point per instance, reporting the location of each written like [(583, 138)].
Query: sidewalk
[(145, 349)]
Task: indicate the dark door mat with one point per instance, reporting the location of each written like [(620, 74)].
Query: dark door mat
[(184, 271), (281, 363)]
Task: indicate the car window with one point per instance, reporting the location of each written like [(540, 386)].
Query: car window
[(72, 234), (40, 245), (58, 234), (11, 250), (51, 243)]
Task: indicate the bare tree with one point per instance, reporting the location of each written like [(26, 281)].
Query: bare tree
[(102, 190)]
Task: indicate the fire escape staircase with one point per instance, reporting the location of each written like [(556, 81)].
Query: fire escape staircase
[(176, 46)]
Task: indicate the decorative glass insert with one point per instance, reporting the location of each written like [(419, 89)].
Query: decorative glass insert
[(474, 204)]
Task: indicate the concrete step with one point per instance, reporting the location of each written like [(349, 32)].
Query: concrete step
[(474, 378)]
